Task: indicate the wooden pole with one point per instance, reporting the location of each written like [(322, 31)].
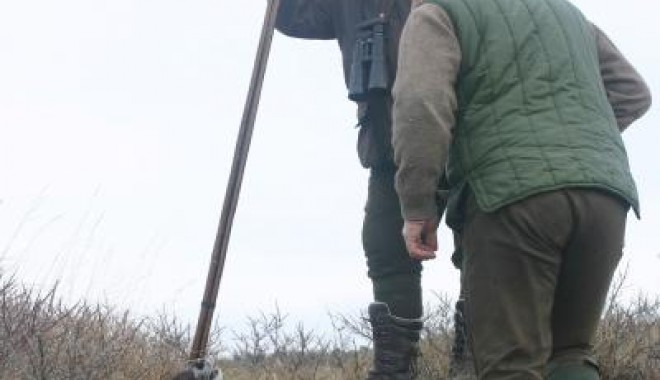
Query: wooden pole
[(219, 254)]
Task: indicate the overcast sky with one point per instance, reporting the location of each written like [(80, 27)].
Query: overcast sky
[(118, 122)]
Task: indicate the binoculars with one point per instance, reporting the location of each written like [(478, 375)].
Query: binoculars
[(369, 66)]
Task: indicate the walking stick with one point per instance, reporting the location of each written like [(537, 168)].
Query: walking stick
[(199, 367)]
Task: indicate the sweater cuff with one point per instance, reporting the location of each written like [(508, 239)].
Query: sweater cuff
[(419, 206)]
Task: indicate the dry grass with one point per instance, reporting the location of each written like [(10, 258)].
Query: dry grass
[(41, 338), (628, 341)]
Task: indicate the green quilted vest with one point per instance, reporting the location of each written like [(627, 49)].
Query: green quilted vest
[(533, 113)]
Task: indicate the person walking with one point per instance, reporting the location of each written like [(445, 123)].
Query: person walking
[(521, 105)]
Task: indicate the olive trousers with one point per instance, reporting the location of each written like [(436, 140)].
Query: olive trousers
[(396, 278), (536, 274)]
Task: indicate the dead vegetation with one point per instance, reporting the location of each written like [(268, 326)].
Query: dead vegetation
[(42, 338)]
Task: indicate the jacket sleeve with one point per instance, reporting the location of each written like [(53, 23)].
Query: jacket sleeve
[(311, 19), (627, 92)]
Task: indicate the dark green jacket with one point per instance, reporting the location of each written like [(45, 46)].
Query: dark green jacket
[(533, 114), (338, 19)]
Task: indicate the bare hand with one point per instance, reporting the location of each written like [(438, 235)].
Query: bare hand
[(421, 238)]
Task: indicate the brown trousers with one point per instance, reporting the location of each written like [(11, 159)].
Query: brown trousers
[(536, 275)]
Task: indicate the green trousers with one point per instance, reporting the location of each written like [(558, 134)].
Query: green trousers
[(396, 278), (536, 275)]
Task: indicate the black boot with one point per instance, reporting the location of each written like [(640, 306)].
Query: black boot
[(396, 344), (460, 358)]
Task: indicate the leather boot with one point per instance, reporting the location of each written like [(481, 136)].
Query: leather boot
[(396, 344), (460, 362)]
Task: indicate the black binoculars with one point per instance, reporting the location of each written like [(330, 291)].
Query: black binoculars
[(369, 66)]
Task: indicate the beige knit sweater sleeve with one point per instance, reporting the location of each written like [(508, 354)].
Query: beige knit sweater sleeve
[(626, 91), (424, 108)]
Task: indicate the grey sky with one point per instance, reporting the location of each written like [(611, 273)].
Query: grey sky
[(118, 123)]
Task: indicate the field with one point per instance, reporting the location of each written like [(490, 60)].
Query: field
[(42, 338)]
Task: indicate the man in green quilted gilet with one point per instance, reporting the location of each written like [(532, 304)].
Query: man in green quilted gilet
[(521, 104)]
